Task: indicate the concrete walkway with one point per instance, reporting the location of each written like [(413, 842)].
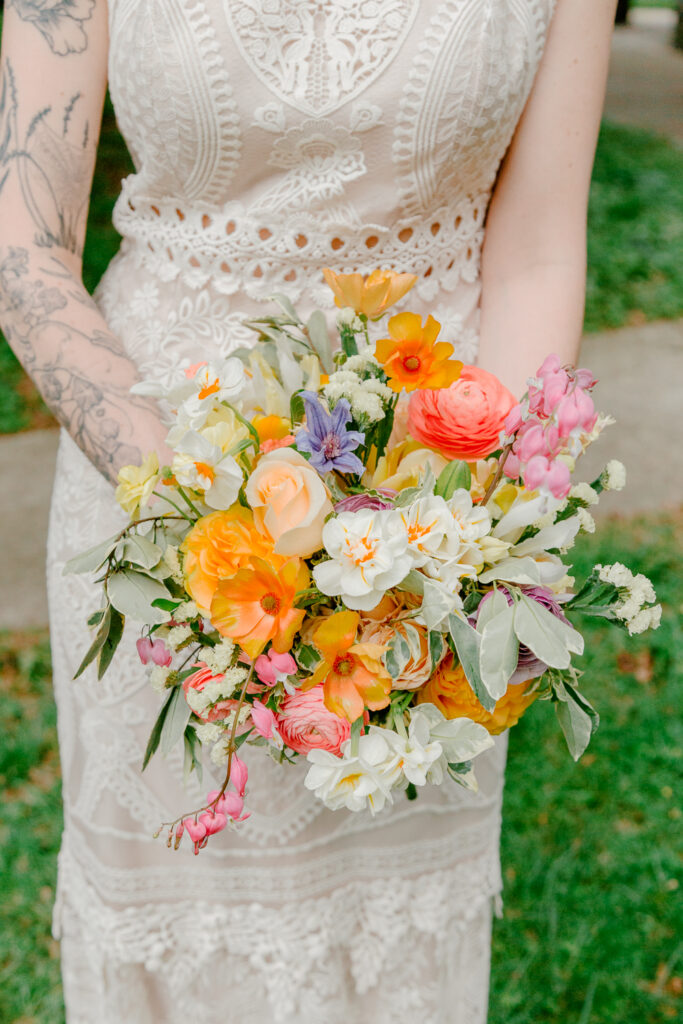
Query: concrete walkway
[(645, 85)]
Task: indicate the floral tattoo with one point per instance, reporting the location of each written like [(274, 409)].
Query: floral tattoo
[(60, 22)]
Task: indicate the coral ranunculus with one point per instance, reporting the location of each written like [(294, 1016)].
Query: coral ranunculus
[(371, 295), (413, 358), (305, 723), (257, 605), (463, 421), (217, 546), (449, 690)]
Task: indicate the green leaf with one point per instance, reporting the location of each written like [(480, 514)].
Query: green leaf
[(320, 339), (499, 646), (550, 639), (91, 559), (286, 306), (436, 648), (307, 657), (191, 760), (165, 604), (397, 655), (98, 643), (297, 409), (348, 340), (111, 642), (175, 721), (96, 617), (132, 593), (140, 551), (467, 645), (155, 735), (455, 476), (413, 583), (577, 725)]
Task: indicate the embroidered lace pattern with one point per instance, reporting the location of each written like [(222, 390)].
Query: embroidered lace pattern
[(272, 138)]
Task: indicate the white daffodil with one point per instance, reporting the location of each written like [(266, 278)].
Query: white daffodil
[(204, 467), (355, 781), (439, 600), (458, 739), (426, 523), (368, 555)]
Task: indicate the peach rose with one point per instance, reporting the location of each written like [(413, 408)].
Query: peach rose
[(449, 690), (305, 723), (462, 421), (216, 547), (290, 502)]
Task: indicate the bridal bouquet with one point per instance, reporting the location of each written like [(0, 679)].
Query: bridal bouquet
[(356, 557)]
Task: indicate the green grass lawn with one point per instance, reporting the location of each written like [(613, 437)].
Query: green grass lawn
[(591, 852)]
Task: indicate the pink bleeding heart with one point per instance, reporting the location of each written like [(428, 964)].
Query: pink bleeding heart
[(535, 472), (153, 650), (196, 830), (585, 379), (239, 774), (558, 479), (531, 441), (550, 365), (513, 421), (213, 823), (512, 466), (272, 668), (264, 720)]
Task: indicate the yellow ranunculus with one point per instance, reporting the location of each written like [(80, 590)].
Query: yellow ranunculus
[(401, 467), (370, 295), (136, 484)]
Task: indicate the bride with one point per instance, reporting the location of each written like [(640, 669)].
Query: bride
[(271, 138)]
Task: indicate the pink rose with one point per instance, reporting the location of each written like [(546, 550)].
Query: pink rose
[(305, 723), (462, 421)]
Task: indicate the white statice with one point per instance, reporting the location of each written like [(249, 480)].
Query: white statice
[(186, 610), (220, 752), (426, 523), (158, 676), (203, 466), (209, 732), (347, 317), (616, 574), (171, 560), (177, 635), (219, 657), (364, 361), (366, 398), (356, 781), (586, 521), (635, 608), (368, 555), (613, 476), (584, 492), (646, 618)]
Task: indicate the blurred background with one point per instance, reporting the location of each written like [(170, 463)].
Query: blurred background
[(591, 852)]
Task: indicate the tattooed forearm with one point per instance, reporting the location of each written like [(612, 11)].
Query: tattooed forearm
[(62, 23), (53, 164), (78, 366)]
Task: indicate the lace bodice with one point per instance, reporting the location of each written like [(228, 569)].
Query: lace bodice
[(272, 138)]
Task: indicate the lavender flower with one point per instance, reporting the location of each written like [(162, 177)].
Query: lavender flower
[(327, 439)]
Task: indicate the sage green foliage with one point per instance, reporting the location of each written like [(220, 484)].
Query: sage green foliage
[(590, 851)]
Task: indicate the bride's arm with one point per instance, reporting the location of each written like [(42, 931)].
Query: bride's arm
[(534, 256), (52, 85)]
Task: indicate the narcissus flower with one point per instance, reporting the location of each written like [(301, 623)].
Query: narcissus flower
[(257, 605), (413, 358), (136, 484), (352, 674), (371, 295)]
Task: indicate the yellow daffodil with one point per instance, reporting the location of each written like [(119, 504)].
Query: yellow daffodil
[(136, 484)]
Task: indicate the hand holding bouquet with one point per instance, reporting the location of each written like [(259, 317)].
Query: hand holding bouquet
[(357, 557)]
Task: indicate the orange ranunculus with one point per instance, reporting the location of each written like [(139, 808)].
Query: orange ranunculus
[(463, 421), (257, 605), (449, 690), (352, 674), (371, 295), (413, 358), (217, 546)]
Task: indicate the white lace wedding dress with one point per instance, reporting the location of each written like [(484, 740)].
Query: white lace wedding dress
[(273, 138)]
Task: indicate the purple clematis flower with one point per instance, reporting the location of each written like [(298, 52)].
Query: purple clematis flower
[(325, 436)]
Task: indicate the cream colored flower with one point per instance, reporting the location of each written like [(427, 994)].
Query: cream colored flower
[(136, 484)]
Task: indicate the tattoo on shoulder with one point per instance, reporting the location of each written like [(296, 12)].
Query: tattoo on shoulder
[(60, 22), (53, 163)]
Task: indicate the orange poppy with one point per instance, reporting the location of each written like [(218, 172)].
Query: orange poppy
[(413, 358), (352, 674), (371, 295), (257, 605)]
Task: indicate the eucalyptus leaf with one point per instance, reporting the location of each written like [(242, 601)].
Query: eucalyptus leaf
[(320, 339), (499, 647), (91, 559), (514, 570), (140, 551), (467, 645), (550, 639), (112, 640), (175, 722), (132, 593)]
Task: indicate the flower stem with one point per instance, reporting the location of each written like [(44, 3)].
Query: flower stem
[(499, 472)]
